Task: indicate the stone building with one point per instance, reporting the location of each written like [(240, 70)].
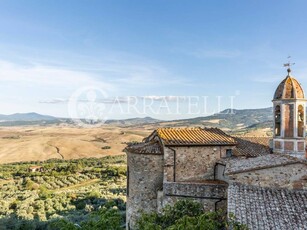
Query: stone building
[(273, 170), (174, 163), (289, 118), (36, 168), (263, 181)]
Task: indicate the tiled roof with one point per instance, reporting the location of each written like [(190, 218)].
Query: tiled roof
[(192, 136), (266, 208), (153, 147), (267, 161), (252, 146)]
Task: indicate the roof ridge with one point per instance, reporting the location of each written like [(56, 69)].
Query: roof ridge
[(194, 136), (196, 127), (249, 186), (251, 164), (293, 87), (251, 136)]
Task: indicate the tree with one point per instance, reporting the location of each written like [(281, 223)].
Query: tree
[(107, 218), (187, 214)]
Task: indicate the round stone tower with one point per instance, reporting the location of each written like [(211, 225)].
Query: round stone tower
[(289, 118), (145, 178)]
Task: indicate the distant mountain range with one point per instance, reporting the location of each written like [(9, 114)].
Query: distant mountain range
[(228, 119), (26, 117), (20, 119), (133, 121), (235, 120)]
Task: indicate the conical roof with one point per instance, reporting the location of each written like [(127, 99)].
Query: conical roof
[(289, 88)]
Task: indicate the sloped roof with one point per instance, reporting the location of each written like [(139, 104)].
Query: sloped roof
[(267, 208), (267, 161), (152, 147), (252, 146), (192, 136), (289, 88)]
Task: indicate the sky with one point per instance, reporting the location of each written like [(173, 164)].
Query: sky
[(59, 57)]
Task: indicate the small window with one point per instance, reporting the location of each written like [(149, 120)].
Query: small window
[(300, 121), (228, 152), (277, 120)]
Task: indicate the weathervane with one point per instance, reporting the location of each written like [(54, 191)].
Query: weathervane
[(289, 64)]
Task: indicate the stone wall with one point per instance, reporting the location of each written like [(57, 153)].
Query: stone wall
[(192, 163), (293, 147), (145, 177), (212, 196), (293, 176), (213, 190)]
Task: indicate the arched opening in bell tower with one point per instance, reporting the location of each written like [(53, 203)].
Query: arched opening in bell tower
[(300, 121), (277, 120)]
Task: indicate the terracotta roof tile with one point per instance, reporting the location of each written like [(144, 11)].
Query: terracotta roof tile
[(267, 208), (252, 146), (152, 147), (192, 136), (268, 161)]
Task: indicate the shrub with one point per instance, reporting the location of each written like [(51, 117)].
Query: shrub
[(94, 194), (30, 185), (187, 214), (35, 200), (106, 147), (44, 193)]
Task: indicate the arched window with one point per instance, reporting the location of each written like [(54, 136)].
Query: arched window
[(300, 121), (277, 120)]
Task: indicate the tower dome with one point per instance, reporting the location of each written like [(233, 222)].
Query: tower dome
[(289, 88)]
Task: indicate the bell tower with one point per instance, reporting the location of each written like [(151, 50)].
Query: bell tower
[(289, 106)]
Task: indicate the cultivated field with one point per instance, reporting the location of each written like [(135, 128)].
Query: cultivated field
[(65, 142), (66, 192)]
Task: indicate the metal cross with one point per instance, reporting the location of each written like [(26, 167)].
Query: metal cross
[(288, 65)]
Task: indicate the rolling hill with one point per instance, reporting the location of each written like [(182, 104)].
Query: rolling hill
[(229, 120), (26, 117), (133, 121), (31, 138)]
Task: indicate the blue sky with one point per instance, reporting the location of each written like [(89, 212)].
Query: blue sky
[(156, 49)]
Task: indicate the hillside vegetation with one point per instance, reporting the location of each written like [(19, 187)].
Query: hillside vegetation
[(190, 215), (231, 120), (73, 192)]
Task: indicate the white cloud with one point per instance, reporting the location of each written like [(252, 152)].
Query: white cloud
[(117, 100), (163, 98), (54, 101), (109, 100), (46, 75)]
